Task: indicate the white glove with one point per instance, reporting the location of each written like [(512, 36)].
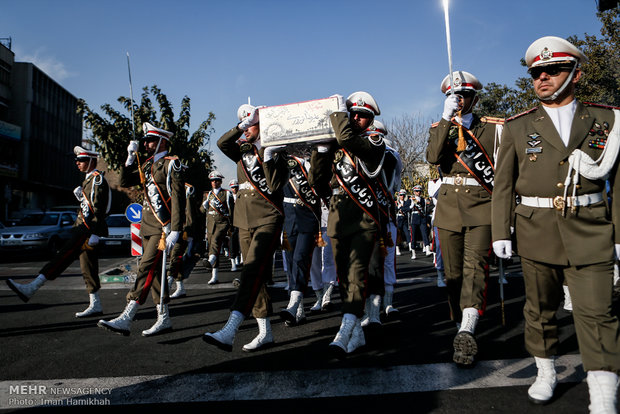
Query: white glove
[(270, 152), (171, 240), (132, 149), (342, 103), (250, 120), (617, 248), (450, 107), (205, 204), (78, 193), (322, 148), (503, 249), (93, 240)]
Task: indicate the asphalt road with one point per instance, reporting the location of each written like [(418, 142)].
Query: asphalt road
[(49, 357)]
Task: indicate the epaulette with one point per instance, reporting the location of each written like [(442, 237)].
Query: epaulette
[(521, 114), (434, 125), (596, 105), (492, 120)]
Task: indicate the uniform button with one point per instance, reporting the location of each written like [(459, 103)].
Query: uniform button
[(561, 162), (456, 190), (560, 185)]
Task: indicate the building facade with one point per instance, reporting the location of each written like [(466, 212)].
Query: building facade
[(39, 127)]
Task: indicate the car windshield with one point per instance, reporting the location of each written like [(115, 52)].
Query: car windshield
[(39, 219), (117, 221)]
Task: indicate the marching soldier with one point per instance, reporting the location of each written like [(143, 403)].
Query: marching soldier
[(323, 270), (217, 204), (392, 169), (302, 215), (463, 212), (182, 252), (262, 174), (403, 211), (418, 217), (354, 217), (564, 228), (233, 240), (161, 225), (95, 198)]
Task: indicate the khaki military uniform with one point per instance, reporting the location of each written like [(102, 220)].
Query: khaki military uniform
[(219, 221), (189, 230), (353, 233), (90, 220), (167, 174), (260, 226), (577, 247), (463, 216)]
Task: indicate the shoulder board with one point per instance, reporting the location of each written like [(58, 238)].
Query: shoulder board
[(492, 120), (596, 105), (171, 157), (521, 114), (434, 125)]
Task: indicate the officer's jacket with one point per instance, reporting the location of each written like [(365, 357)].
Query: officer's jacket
[(174, 198), (460, 206), (191, 213), (418, 210), (95, 208), (345, 216), (218, 217), (584, 236), (298, 216), (251, 208)]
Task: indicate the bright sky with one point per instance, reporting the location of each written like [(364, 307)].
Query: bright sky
[(281, 51)]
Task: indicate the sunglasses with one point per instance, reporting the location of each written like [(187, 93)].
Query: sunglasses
[(551, 70)]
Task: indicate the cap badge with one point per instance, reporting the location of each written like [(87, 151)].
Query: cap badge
[(360, 102), (546, 54), (338, 156), (457, 82), (292, 163)]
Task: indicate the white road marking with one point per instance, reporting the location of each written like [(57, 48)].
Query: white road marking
[(276, 385)]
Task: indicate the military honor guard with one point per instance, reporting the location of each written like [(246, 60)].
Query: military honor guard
[(161, 177), (462, 145), (217, 204), (392, 170), (419, 222), (95, 198), (233, 239), (302, 215), (182, 256), (323, 275), (349, 169), (259, 215), (403, 212), (556, 157)]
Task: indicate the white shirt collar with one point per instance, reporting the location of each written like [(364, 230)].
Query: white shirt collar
[(466, 119), (562, 118), (159, 156)]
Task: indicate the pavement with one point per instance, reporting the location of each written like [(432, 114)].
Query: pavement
[(50, 359)]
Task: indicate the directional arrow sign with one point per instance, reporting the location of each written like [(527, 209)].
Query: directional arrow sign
[(134, 213)]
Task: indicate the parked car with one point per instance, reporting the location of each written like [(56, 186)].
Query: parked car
[(45, 231), (119, 234)]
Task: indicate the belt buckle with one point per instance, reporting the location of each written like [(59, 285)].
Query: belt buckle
[(458, 180), (559, 203), (299, 202)]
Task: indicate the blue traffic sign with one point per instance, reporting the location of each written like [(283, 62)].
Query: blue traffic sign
[(134, 213)]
